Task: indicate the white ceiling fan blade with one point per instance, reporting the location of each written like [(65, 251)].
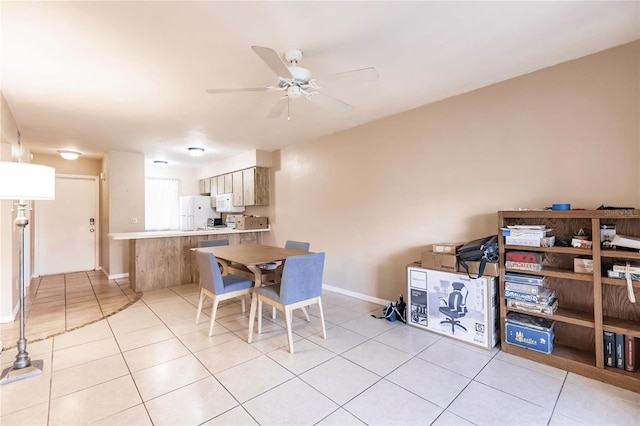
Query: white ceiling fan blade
[(279, 107), (246, 89), (271, 58), (331, 103), (350, 77)]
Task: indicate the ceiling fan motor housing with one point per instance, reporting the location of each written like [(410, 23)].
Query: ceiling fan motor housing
[(300, 75)]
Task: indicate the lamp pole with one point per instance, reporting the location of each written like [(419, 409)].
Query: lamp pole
[(22, 366), (22, 182)]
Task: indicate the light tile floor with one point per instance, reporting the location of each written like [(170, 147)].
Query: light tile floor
[(151, 364)]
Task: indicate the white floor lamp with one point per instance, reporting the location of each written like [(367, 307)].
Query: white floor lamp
[(23, 182)]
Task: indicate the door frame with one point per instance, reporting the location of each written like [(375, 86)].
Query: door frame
[(96, 184)]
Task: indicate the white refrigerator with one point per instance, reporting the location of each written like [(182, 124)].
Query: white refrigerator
[(194, 212)]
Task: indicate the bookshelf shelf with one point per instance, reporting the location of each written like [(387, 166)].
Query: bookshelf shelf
[(588, 304)]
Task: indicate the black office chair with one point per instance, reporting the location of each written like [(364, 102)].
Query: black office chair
[(456, 306)]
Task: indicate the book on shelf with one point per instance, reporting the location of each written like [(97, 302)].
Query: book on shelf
[(620, 351), (524, 288), (524, 232), (609, 349), (545, 297), (622, 275), (523, 256), (524, 266), (545, 324), (631, 353), (524, 278), (533, 307), (633, 268)]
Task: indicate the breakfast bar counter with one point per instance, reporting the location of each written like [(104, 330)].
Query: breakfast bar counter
[(160, 259)]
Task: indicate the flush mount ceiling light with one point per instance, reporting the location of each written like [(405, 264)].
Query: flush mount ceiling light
[(196, 152), (69, 155), (161, 164)]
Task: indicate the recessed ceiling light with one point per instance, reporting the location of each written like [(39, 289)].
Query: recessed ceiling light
[(69, 155), (160, 163), (196, 152)]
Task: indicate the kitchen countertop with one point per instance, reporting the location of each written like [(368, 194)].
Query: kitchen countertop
[(164, 234)]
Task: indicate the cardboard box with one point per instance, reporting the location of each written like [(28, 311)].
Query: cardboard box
[(583, 265), (440, 261), (252, 222), (490, 269), (430, 290), (447, 248)]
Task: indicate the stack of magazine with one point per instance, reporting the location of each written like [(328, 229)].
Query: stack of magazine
[(528, 293)]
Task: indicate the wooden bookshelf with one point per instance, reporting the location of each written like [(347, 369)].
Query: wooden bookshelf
[(588, 304)]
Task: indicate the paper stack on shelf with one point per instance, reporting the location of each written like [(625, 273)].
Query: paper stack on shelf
[(528, 235)]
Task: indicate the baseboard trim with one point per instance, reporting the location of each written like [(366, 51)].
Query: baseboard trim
[(114, 276), (10, 318), (356, 295)]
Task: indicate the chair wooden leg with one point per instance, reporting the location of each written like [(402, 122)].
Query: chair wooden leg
[(243, 305), (252, 316), (287, 320), (324, 330), (213, 315), (273, 313), (306, 315), (200, 305), (259, 316)]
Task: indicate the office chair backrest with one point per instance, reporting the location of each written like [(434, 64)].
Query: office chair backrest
[(210, 276), (213, 243), (297, 245), (302, 278)]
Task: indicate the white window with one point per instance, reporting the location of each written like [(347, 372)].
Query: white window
[(162, 203)]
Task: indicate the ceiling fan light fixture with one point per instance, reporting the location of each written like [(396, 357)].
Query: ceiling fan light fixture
[(161, 164), (196, 152), (69, 155)]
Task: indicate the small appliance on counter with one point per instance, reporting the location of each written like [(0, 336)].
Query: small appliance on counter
[(232, 219), (252, 222), (195, 211)]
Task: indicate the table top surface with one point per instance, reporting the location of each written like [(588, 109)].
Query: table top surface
[(252, 254)]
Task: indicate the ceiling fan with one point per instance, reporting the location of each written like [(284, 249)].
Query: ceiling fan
[(295, 81)]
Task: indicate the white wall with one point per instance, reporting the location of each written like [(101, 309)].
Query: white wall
[(9, 240), (188, 177)]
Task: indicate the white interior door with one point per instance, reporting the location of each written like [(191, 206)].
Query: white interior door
[(67, 227)]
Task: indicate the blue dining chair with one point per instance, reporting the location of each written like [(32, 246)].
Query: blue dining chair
[(213, 284), (291, 245), (301, 286)]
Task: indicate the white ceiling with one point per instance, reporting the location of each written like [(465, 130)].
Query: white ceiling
[(131, 76)]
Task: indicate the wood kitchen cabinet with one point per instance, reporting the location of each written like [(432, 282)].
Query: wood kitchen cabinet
[(237, 188), (255, 186), (204, 186), (213, 182), (228, 183), (220, 184)]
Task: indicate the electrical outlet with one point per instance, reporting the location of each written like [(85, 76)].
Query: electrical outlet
[(134, 220)]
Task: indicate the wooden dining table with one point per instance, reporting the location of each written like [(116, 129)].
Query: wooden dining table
[(244, 259)]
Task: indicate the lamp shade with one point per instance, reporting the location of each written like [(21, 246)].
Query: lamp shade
[(26, 181)]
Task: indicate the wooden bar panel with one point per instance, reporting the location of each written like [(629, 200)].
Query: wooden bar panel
[(156, 263)]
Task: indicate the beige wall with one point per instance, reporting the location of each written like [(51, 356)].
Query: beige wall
[(376, 196), (81, 166), (125, 178)]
